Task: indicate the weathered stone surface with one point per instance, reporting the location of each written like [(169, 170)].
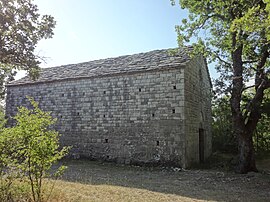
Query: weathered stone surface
[(144, 113)]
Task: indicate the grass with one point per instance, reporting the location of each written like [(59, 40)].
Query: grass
[(96, 181), (20, 190), (99, 181), (77, 192), (105, 193)]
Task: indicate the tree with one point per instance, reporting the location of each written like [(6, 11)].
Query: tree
[(235, 34), (30, 147), (223, 138), (21, 28)]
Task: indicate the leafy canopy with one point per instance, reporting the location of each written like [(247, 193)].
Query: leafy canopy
[(219, 27), (21, 28)]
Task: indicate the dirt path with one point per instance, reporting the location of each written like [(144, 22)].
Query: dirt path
[(207, 185)]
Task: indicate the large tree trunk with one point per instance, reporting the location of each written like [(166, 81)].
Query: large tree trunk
[(246, 154), (241, 130)]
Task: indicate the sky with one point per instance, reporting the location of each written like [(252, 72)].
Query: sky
[(90, 29)]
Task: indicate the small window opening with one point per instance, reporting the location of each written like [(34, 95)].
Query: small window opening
[(157, 143), (63, 95), (153, 115), (104, 115), (104, 92), (83, 94), (106, 140), (140, 90), (174, 87), (61, 116), (78, 113), (173, 111)]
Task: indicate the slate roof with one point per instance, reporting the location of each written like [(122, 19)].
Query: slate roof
[(153, 60)]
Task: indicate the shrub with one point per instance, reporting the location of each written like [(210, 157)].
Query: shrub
[(30, 147)]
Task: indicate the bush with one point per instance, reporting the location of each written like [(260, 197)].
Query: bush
[(30, 148)]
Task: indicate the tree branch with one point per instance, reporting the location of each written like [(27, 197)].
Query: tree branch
[(218, 16), (261, 83), (248, 87), (249, 61), (263, 60), (221, 60)]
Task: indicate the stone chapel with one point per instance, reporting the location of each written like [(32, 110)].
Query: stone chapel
[(146, 108)]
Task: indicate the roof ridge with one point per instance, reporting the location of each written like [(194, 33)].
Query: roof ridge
[(116, 57)]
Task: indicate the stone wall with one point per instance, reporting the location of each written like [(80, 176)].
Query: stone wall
[(197, 110), (131, 118)]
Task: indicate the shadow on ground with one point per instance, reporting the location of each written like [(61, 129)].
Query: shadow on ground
[(196, 184)]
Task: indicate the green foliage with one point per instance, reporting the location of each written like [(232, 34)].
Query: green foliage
[(262, 136), (212, 24), (223, 137), (21, 28), (2, 118), (30, 148), (262, 132), (219, 27)]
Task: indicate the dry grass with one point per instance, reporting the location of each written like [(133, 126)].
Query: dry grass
[(96, 181), (73, 192)]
